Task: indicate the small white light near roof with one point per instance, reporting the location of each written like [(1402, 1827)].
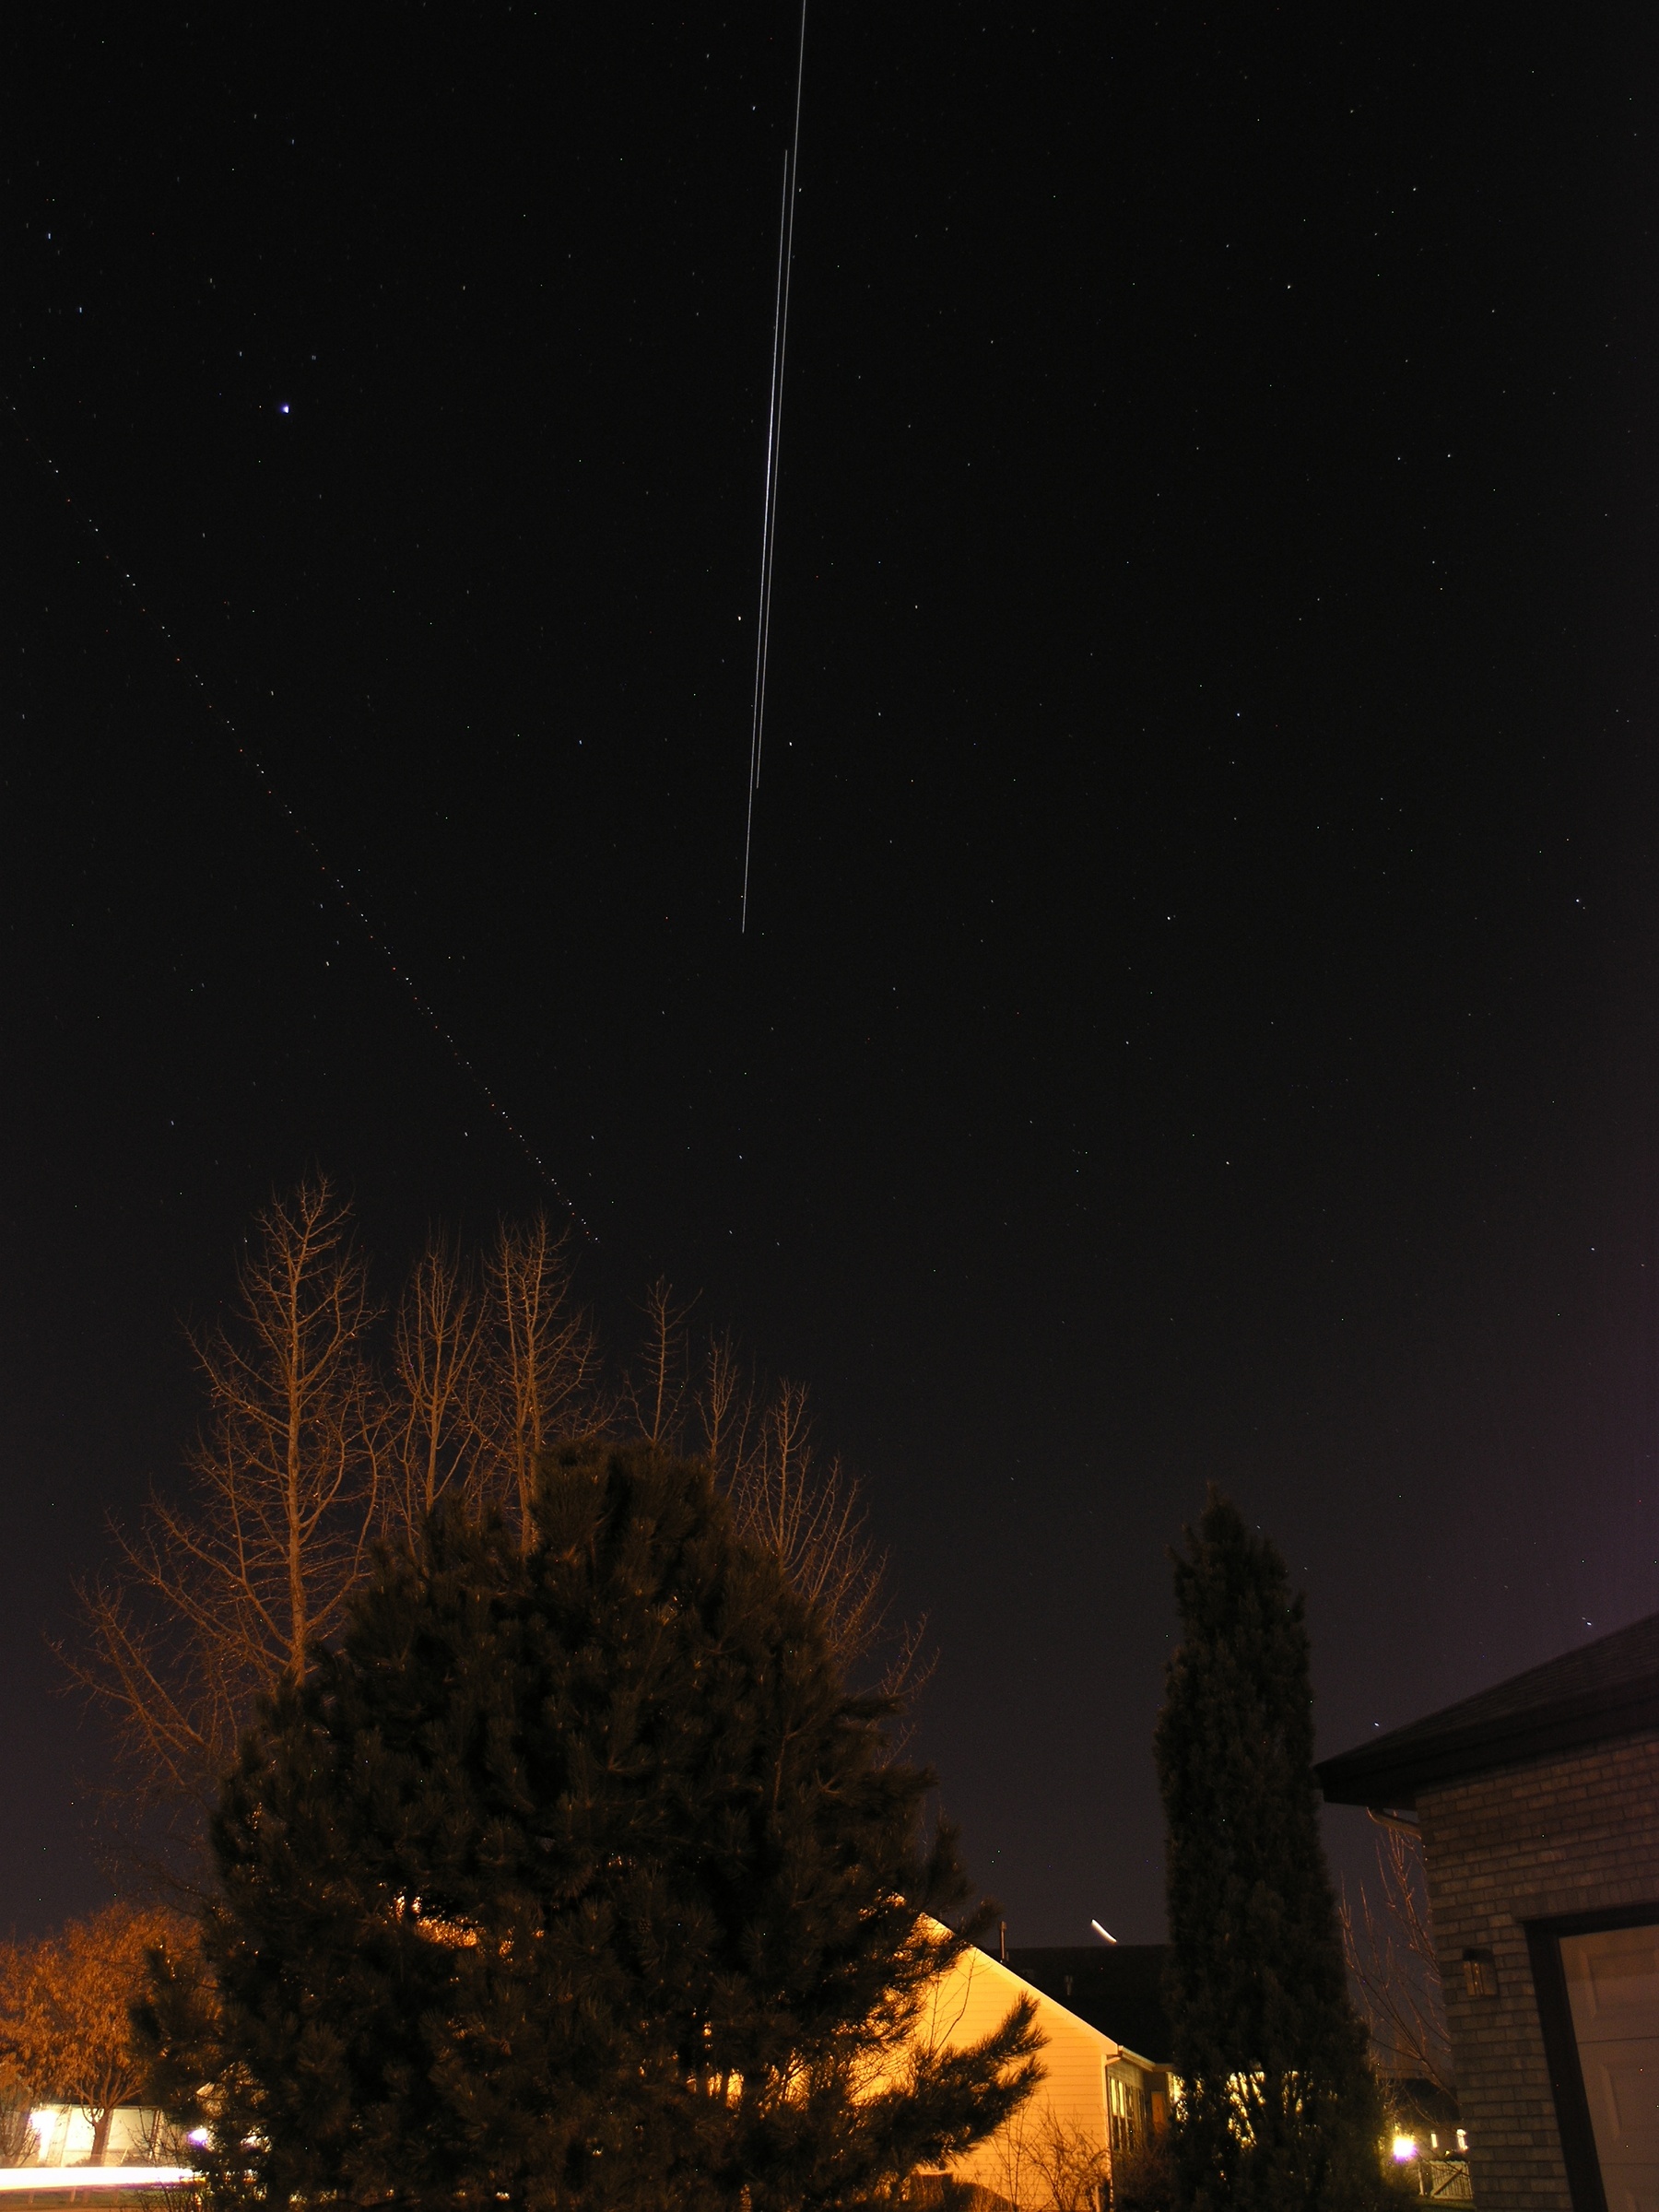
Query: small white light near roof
[(1404, 2146), (198, 2134), (1104, 1932)]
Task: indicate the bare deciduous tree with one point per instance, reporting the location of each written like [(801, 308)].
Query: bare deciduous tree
[(724, 1402), (220, 1594), (811, 1517), (436, 1362), (1391, 1960), (656, 1391), (810, 1514), (1074, 2170), (308, 1457), (1044, 2163), (65, 2020), (539, 1366)]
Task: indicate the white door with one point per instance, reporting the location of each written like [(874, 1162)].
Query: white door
[(1613, 1986)]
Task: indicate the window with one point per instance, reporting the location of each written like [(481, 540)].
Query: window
[(1126, 2113)]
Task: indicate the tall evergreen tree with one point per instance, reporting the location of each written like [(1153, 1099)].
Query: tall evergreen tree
[(575, 1878), (1280, 2106)]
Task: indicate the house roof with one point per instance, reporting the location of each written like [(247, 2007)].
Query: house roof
[(1118, 1990), (1601, 1690), (1018, 1986), (1018, 1982)]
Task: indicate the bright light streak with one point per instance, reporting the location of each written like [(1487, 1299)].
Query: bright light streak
[(774, 432), (93, 2179), (1101, 1931)]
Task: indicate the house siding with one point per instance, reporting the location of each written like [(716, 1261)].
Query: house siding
[(1573, 1834), (971, 2001)]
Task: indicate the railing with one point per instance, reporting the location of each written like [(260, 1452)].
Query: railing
[(1445, 2179)]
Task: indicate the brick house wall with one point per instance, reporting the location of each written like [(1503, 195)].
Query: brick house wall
[(1575, 1833)]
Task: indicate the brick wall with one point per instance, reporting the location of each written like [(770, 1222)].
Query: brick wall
[(1575, 1834)]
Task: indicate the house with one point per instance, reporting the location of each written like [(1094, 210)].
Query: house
[(1098, 2098), (1118, 1988), (1100, 2101), (1538, 1805), (139, 2160)]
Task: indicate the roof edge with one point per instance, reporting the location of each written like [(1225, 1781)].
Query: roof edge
[(1390, 1772)]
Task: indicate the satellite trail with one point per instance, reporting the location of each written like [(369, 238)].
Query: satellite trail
[(302, 831), (774, 430)]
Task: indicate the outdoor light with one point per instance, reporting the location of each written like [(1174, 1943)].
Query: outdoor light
[(1101, 1931), (1404, 2146), (198, 2134)]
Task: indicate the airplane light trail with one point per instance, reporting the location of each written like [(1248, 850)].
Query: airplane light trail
[(774, 429)]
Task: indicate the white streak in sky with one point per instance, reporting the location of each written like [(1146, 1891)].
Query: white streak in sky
[(774, 431)]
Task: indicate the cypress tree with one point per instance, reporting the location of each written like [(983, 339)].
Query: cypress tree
[(1280, 2109), (577, 1878)]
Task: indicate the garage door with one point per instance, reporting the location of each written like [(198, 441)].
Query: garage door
[(1613, 1986)]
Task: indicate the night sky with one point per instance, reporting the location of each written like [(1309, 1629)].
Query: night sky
[(1197, 1018)]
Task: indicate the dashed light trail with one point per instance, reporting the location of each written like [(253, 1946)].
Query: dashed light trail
[(300, 827)]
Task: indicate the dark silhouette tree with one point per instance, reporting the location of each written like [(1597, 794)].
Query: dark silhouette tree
[(575, 1877), (1280, 2107)]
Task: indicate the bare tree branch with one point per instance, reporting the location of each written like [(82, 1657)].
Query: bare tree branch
[(656, 1393), (812, 1517), (221, 1594), (436, 1362), (810, 1514), (308, 1457), (1391, 1957), (1045, 2163), (724, 1403), (539, 1367)]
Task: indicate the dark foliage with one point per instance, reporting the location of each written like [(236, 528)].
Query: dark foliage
[(577, 1879), (1281, 2108), (1143, 2177)]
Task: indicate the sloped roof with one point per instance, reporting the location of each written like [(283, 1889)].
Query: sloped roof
[(1047, 1984), (1601, 1690), (1118, 1990)]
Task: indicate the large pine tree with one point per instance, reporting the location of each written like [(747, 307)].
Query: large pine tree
[(1280, 2107), (577, 1878)]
